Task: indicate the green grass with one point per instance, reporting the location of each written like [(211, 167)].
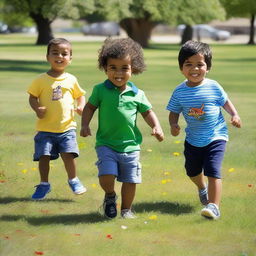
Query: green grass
[(66, 225)]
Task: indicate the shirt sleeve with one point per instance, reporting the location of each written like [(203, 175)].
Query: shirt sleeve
[(34, 88), (94, 98), (223, 97), (78, 91), (144, 105), (173, 104)]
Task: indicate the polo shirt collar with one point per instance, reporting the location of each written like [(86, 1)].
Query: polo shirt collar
[(110, 85)]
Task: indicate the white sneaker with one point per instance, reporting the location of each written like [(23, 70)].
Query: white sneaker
[(127, 214), (211, 211)]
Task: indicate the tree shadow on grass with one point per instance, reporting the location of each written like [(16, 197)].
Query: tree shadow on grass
[(23, 65), (8, 200), (164, 207), (67, 219)]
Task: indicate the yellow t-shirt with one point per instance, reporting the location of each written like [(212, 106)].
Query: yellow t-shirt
[(58, 96)]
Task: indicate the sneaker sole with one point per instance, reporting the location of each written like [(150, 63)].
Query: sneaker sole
[(209, 215), (38, 199), (80, 192)]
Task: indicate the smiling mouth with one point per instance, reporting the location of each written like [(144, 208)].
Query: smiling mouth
[(195, 75)]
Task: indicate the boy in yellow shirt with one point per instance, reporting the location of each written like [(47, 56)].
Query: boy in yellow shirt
[(52, 96)]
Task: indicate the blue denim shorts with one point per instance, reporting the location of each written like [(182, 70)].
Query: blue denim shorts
[(208, 159), (125, 166), (52, 144)]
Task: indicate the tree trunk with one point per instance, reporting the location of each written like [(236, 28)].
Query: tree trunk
[(187, 34), (251, 38), (43, 27), (138, 29)]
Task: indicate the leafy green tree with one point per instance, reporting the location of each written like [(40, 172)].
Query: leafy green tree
[(44, 12), (136, 17), (191, 12), (242, 8), (139, 17)]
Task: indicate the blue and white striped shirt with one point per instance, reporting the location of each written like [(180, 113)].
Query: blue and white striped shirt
[(201, 108)]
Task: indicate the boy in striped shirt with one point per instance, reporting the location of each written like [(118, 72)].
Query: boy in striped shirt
[(200, 100)]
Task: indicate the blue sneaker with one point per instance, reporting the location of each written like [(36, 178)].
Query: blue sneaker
[(109, 206), (41, 191), (77, 187), (211, 211)]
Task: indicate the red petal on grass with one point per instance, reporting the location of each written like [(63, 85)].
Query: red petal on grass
[(109, 236), (2, 181), (44, 211), (250, 185), (39, 253), (77, 234)]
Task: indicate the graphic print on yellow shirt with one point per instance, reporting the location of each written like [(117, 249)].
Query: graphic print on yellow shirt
[(196, 112), (57, 93)]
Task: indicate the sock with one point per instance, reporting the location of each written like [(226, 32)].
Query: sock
[(203, 191), (44, 183), (74, 179)]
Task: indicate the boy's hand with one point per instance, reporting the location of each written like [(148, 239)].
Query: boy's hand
[(41, 112), (85, 131), (236, 121), (175, 129), (79, 110), (158, 133)]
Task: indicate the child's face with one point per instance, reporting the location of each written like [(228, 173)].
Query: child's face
[(119, 71), (194, 69), (59, 57)]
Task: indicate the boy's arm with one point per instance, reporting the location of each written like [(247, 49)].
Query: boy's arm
[(80, 105), (152, 120), (40, 110), (87, 115), (173, 121), (235, 118)]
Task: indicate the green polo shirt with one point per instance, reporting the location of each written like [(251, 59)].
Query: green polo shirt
[(117, 115)]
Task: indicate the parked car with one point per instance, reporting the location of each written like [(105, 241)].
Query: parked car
[(4, 28), (107, 28), (204, 30)]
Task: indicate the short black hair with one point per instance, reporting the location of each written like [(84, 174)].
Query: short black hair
[(191, 48), (56, 41), (120, 48)]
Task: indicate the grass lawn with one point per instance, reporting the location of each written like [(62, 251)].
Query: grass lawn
[(166, 203)]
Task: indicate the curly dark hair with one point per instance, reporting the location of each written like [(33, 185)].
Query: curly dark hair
[(56, 41), (120, 48), (191, 48)]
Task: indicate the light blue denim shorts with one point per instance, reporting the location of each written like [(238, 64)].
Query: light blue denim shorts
[(52, 144), (125, 166)]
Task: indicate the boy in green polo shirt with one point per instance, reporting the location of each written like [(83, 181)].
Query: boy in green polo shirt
[(118, 139)]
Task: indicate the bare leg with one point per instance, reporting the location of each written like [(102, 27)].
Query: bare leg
[(107, 182), (214, 190), (128, 193), (44, 168), (199, 181), (70, 164)]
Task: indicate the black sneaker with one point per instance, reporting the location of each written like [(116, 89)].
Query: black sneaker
[(109, 206)]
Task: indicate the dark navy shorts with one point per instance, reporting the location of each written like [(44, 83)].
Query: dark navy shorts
[(207, 159), (52, 144)]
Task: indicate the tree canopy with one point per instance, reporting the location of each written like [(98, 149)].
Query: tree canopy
[(139, 17), (242, 8), (43, 13)]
